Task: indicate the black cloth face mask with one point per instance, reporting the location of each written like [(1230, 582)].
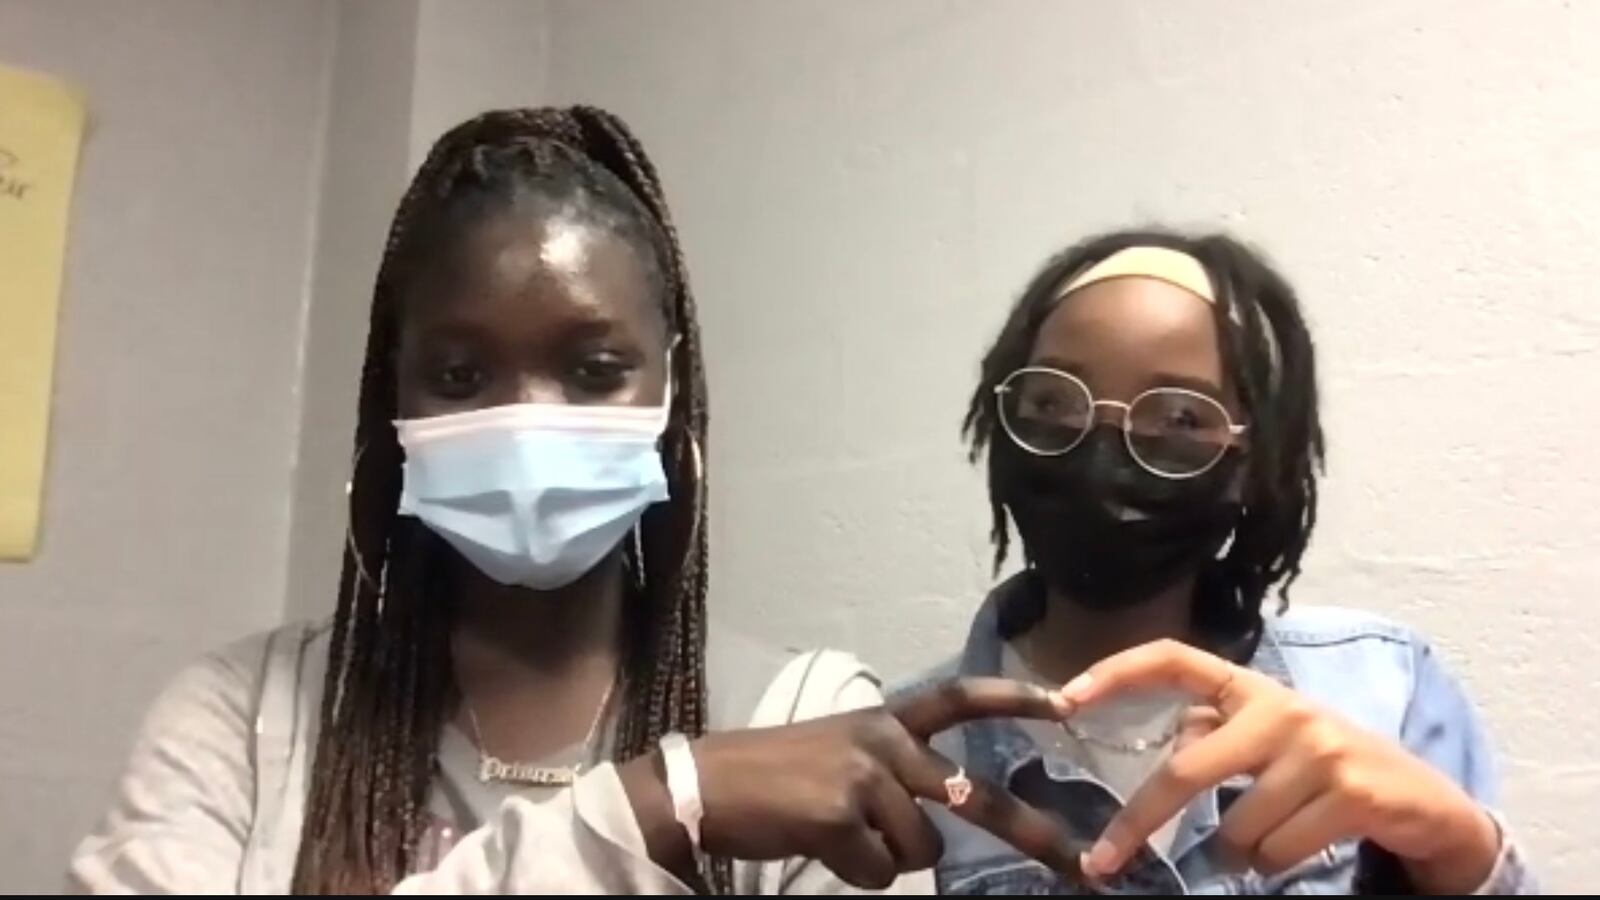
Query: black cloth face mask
[(1106, 532)]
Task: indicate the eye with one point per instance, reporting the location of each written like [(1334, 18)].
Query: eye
[(600, 374), (1179, 414), (1045, 395), (1042, 404), (1182, 419), (458, 380)]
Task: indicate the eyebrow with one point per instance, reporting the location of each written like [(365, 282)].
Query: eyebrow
[(584, 324), (444, 329), (1199, 385), (1055, 362), (1160, 379)]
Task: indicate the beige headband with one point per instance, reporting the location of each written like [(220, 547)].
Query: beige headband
[(1175, 268), (1172, 266)]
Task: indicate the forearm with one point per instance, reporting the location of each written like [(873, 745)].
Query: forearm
[(1508, 871), (1464, 864)]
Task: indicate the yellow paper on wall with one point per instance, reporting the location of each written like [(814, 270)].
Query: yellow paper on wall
[(41, 128)]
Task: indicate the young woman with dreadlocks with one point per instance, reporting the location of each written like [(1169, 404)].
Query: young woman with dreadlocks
[(1149, 410), (514, 693)]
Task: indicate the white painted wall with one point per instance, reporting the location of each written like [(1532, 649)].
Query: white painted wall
[(175, 406), (365, 167), (864, 187), (474, 55)]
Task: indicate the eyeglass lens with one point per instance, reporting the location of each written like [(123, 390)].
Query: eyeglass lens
[(1171, 431)]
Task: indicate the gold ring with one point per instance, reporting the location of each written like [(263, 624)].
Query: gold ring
[(1217, 696)]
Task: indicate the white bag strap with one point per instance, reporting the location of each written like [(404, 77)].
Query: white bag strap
[(807, 687)]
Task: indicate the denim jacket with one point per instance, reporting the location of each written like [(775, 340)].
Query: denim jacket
[(1374, 673)]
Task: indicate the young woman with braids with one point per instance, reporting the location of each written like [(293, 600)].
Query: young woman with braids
[(520, 643), (1150, 415)]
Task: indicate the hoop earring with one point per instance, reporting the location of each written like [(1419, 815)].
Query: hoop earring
[(696, 504), (1227, 544), (699, 479), (350, 516)]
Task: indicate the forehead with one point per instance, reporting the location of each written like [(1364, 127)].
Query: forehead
[(526, 266), (1129, 334)]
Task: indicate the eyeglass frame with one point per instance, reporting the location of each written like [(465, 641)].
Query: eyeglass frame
[(1004, 387)]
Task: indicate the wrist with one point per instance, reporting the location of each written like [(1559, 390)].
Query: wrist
[(1466, 859), (683, 786), (644, 779)]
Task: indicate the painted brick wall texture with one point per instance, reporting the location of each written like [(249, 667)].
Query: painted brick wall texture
[(864, 188)]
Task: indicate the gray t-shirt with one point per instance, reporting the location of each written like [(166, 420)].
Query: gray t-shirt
[(739, 667), (213, 797)]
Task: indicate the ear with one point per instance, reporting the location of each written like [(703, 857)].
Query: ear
[(1238, 487), (1236, 484)]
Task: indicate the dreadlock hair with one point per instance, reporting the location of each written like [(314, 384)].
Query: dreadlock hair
[(390, 683), (1267, 356)]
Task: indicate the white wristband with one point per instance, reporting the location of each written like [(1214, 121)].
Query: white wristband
[(683, 784)]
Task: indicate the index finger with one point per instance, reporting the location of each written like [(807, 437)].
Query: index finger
[(1164, 664), (1235, 748), (947, 705), (988, 806)]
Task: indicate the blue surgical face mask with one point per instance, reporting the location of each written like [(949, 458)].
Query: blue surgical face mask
[(534, 494)]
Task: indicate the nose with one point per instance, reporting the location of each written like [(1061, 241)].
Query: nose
[(535, 389), (1102, 448), (1108, 412)]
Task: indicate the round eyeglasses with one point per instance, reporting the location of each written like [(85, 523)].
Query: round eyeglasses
[(1170, 431)]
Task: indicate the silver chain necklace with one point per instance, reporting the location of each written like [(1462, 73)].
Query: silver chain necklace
[(492, 768), (1134, 747), (1126, 748)]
